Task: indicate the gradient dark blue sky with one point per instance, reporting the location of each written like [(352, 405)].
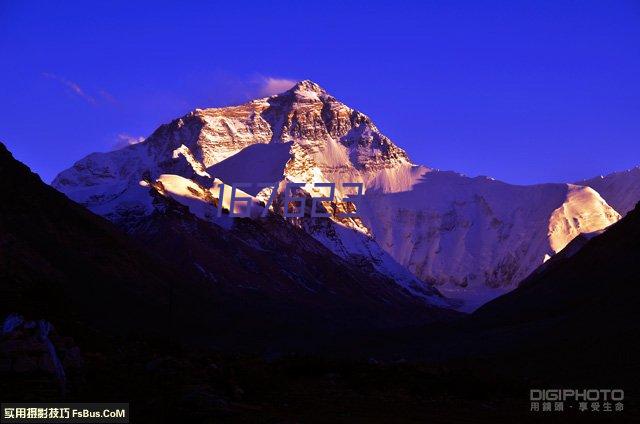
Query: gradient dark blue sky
[(522, 91)]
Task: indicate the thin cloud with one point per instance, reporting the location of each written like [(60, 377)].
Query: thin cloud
[(71, 86), (271, 86), (124, 140), (108, 96)]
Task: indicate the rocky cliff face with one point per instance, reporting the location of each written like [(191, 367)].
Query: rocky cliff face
[(472, 237)]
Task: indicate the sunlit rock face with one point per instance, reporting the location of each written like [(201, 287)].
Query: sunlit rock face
[(473, 238)]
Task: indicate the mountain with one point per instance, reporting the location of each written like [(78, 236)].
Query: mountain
[(262, 283), (620, 189), (473, 238)]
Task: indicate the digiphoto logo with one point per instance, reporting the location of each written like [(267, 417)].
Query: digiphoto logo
[(581, 400)]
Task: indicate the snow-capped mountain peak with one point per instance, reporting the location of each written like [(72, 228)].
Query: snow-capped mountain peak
[(469, 236), (307, 89)]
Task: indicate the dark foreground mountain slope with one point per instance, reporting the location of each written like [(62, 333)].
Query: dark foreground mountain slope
[(269, 279), (57, 260)]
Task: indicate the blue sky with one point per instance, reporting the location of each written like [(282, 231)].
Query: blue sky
[(522, 91)]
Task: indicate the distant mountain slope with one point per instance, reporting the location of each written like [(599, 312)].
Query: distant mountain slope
[(473, 238), (620, 189), (477, 237)]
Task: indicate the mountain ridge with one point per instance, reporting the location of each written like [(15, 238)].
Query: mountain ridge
[(621, 189)]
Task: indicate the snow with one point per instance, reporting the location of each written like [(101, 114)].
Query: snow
[(582, 212), (266, 161), (195, 165), (620, 189), (199, 200), (189, 194)]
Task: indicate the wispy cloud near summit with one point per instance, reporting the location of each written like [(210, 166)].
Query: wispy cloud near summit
[(124, 140), (271, 86)]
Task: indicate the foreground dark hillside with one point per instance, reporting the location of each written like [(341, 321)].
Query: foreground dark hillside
[(60, 262)]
